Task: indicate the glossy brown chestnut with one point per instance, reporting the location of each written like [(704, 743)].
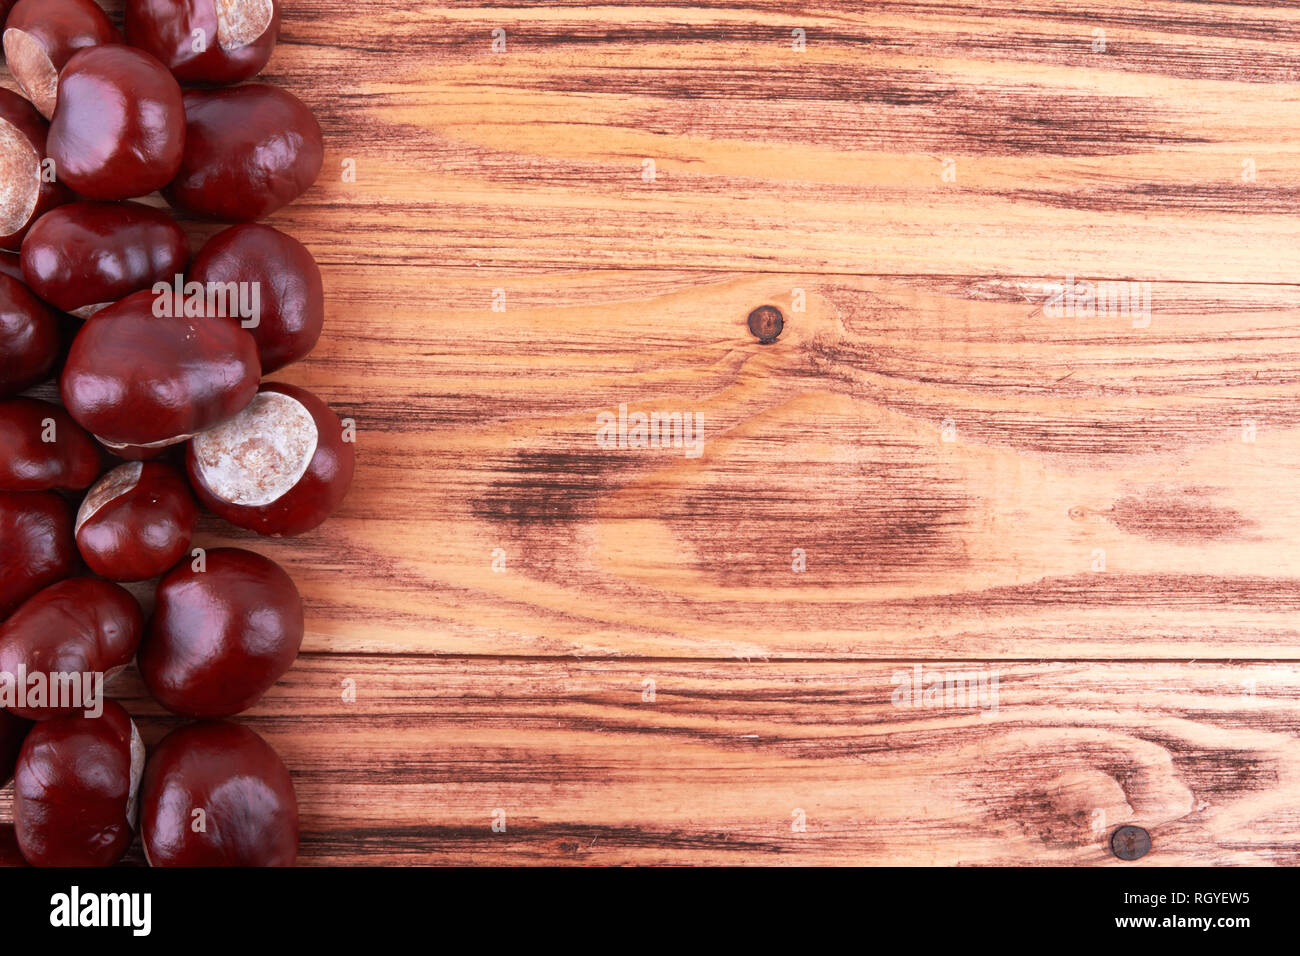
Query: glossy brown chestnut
[(85, 255), (136, 522), (44, 448), (76, 789), (234, 38), (119, 126), (78, 626), (291, 296), (28, 187), (42, 35), (29, 338), (137, 378), (36, 546), (279, 467), (220, 637), (248, 151), (217, 794), (12, 731)]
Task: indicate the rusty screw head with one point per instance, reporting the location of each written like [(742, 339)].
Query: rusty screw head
[(766, 322), (1130, 843)]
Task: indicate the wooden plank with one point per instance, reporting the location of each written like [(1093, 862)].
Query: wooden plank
[(500, 273), (1172, 448), (1170, 154), (587, 769)]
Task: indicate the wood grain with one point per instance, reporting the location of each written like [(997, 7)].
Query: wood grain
[(1071, 435), (1127, 162), (589, 767), (1098, 510)]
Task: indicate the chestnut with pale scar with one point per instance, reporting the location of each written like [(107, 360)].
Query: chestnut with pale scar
[(20, 178), (27, 189), (212, 42), (260, 455), (42, 35), (241, 22), (136, 522), (280, 467)]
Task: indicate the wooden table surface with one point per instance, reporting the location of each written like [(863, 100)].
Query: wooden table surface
[(564, 653)]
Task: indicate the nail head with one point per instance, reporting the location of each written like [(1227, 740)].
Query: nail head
[(1130, 843), (766, 322)]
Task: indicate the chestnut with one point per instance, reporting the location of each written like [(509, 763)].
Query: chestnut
[(12, 731), (248, 151), (29, 338), (11, 265), (36, 546), (216, 794), (279, 467), (41, 36), (44, 448), (27, 188), (140, 374), (85, 255), (220, 637), (77, 626), (119, 126), (291, 294), (136, 522), (76, 789), (234, 38)]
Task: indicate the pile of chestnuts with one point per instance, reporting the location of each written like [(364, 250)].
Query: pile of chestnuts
[(159, 359)]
